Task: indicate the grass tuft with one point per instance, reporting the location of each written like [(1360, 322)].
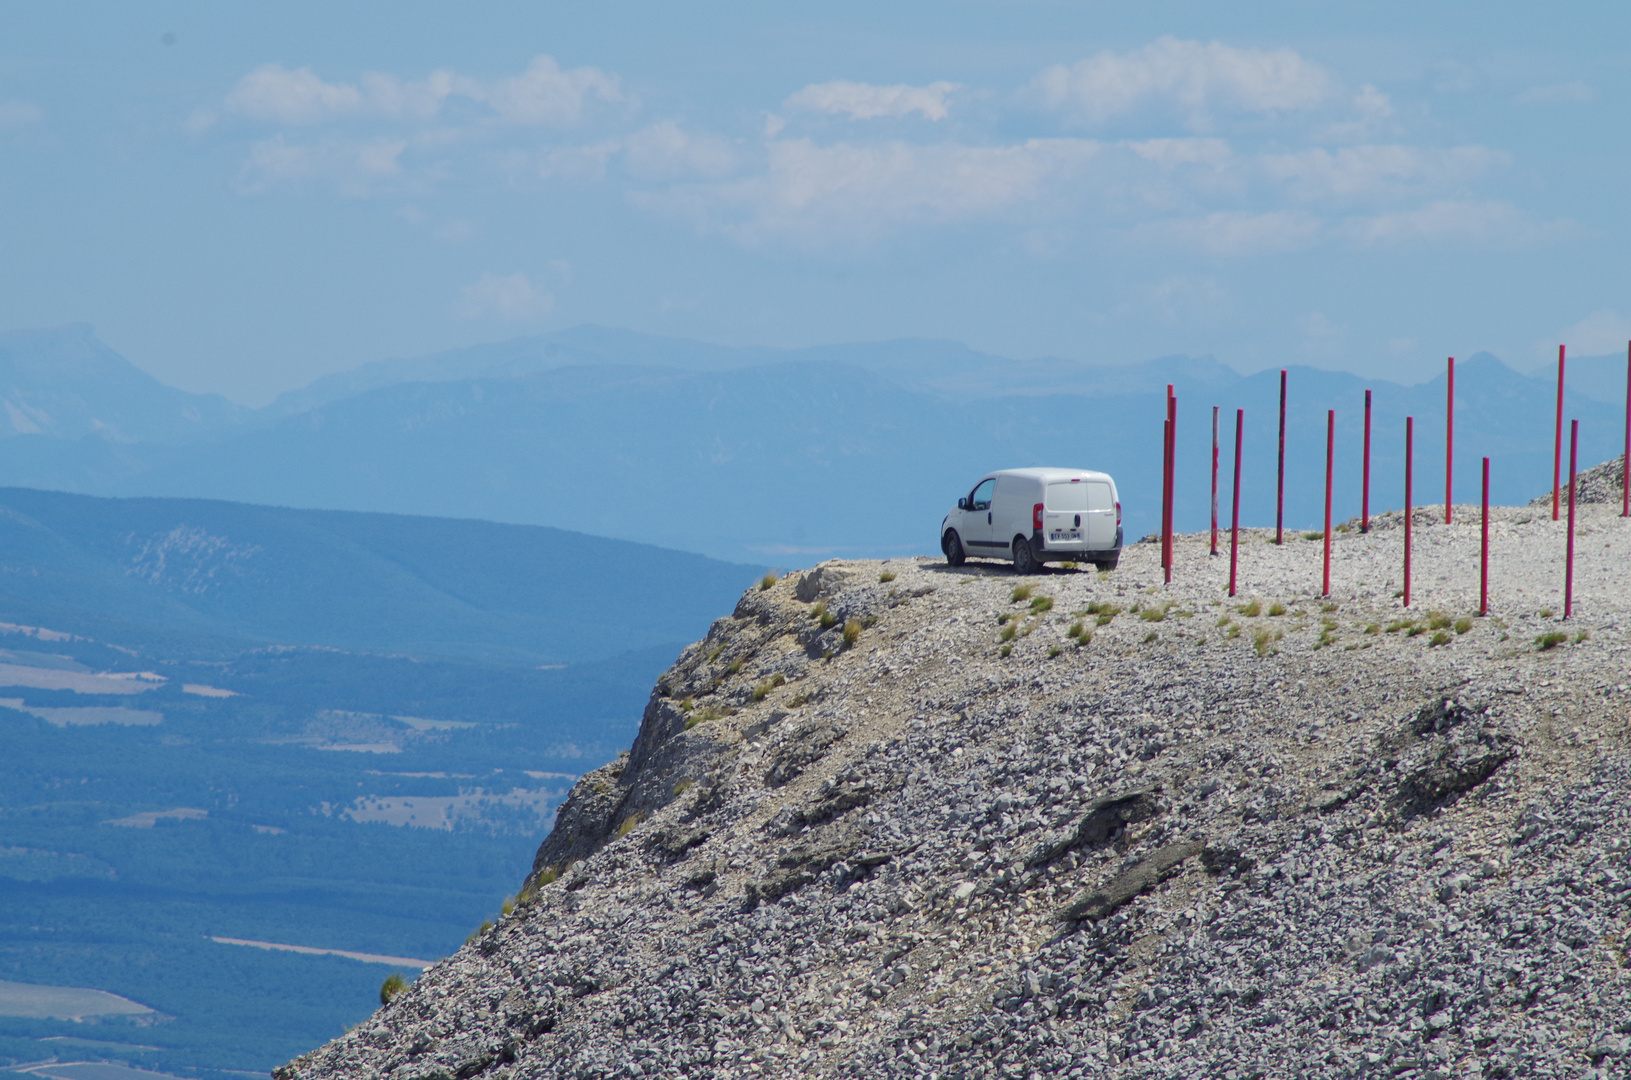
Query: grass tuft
[(1251, 610), (821, 615), (1005, 650), (630, 823), (1041, 605), (1153, 614), (393, 985), (1437, 620), (1149, 637), (1463, 625), (1440, 638), (1076, 629), (766, 582), (1262, 641), (1550, 641), (885, 578), (1021, 592), (1276, 609), (1054, 651), (852, 633), (683, 786), (765, 686), (1008, 632)]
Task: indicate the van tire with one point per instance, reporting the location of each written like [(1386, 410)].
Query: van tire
[(1111, 563), (952, 545), (1024, 561)]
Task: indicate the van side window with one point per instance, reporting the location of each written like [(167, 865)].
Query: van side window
[(981, 499)]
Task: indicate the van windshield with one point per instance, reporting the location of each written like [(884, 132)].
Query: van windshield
[(1067, 497)]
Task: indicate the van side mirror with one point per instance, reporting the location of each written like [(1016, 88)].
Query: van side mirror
[(962, 504)]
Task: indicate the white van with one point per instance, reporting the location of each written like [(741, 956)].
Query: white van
[(1036, 516)]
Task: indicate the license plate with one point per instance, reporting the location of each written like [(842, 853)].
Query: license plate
[(1068, 534)]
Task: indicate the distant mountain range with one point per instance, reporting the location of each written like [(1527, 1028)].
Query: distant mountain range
[(754, 454)]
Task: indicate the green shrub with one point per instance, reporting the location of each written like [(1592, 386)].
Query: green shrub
[(799, 701), (1008, 632), (852, 633), (1328, 608), (1054, 651), (1234, 631), (393, 985), (1021, 592), (1042, 605), (1076, 629), (885, 578), (1149, 637), (1261, 642), (767, 685), (1251, 610), (766, 582), (1313, 536), (1437, 620), (1374, 628), (1463, 625), (1153, 614), (1276, 609), (1005, 650), (1440, 638), (1551, 640), (1401, 624), (1005, 616)]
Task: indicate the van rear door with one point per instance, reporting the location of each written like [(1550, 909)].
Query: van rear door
[(1065, 512), (1100, 518)]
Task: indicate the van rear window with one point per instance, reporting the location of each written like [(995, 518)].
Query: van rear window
[(1068, 498)]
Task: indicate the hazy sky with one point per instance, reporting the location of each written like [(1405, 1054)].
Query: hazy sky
[(243, 197)]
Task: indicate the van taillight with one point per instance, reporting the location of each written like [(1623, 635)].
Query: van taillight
[(1118, 515), (1036, 517)]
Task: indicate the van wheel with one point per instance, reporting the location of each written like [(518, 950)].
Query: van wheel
[(1111, 563), (952, 545), (1024, 561)]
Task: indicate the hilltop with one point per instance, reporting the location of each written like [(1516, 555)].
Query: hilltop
[(894, 819)]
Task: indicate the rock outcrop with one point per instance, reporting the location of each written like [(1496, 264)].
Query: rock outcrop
[(890, 819)]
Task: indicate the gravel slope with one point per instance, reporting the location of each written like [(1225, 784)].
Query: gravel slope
[(1209, 843)]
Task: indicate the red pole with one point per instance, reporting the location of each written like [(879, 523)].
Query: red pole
[(1483, 549), (1166, 494), (1449, 443), (1557, 440), (1172, 476), (1280, 484), (1625, 462), (1214, 479), (1409, 439), (1166, 491), (1364, 497), (1330, 454), (1234, 522), (1568, 572)]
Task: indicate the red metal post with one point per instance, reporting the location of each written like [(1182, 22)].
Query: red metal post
[(1214, 479), (1364, 495), (1330, 455), (1234, 520), (1166, 493), (1483, 548), (1625, 462), (1557, 439), (1409, 441), (1172, 477), (1449, 443), (1280, 483), (1568, 567)]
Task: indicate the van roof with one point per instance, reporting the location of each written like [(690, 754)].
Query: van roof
[(1047, 474)]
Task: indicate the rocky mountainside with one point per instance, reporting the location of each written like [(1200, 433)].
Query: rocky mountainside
[(896, 819)]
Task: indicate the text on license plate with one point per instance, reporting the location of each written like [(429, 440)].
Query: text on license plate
[(1067, 534)]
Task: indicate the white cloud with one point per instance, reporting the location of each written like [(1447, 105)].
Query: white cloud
[(849, 192), (1601, 333), (512, 298), (863, 101), (1569, 93), (1368, 172), (1240, 233), (356, 167), (1198, 77), (548, 94), (14, 114), (1169, 153), (544, 94), (1488, 224), (666, 151), (587, 162)]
